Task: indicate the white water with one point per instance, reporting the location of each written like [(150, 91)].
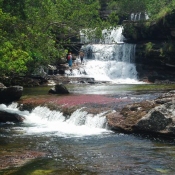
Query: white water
[(110, 60), (139, 16), (44, 121)]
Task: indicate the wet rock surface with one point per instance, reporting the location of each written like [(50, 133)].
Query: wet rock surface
[(10, 117), (155, 116)]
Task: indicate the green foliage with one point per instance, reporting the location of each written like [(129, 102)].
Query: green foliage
[(39, 29), (156, 8), (127, 6), (149, 47), (113, 19), (13, 61), (168, 51)]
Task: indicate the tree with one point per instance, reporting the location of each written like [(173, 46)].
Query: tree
[(40, 28), (152, 7)]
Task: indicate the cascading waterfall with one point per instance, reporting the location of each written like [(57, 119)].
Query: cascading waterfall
[(139, 16), (43, 120), (111, 59)]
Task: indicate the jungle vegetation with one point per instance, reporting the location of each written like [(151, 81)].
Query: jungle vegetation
[(33, 33)]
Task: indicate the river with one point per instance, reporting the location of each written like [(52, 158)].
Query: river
[(49, 143), (70, 147)]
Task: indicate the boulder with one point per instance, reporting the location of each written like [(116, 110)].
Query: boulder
[(150, 116), (10, 117), (157, 120), (10, 94), (2, 85), (59, 89)]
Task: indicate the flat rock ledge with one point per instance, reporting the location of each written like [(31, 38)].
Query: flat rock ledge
[(156, 117)]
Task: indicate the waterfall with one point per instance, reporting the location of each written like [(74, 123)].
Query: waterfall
[(139, 16), (111, 59), (43, 120)]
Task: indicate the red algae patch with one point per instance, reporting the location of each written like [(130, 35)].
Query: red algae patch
[(84, 99), (72, 100), (18, 158)]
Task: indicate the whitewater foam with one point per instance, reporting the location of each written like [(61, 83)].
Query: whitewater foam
[(42, 120)]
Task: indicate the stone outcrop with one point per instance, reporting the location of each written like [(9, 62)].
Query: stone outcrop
[(156, 116), (155, 47), (10, 94)]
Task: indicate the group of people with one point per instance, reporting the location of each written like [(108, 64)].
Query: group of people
[(70, 58)]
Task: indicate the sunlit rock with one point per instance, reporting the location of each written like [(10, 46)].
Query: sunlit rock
[(150, 116), (156, 120), (2, 85)]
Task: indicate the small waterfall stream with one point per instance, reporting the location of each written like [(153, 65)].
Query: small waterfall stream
[(111, 59), (43, 120)]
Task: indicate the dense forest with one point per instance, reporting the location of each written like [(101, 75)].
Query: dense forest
[(34, 33)]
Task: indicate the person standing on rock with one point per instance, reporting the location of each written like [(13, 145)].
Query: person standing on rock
[(81, 56), (69, 59)]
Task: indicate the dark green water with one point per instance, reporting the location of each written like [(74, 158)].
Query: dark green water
[(101, 153)]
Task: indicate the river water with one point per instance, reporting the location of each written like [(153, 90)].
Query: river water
[(76, 147)]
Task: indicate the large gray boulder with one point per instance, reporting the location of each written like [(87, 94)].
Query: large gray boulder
[(159, 119)]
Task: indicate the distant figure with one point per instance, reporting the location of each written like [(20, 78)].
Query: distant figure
[(81, 56), (69, 59)]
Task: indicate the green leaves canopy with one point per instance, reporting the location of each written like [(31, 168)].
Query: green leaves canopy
[(153, 7), (36, 30)]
